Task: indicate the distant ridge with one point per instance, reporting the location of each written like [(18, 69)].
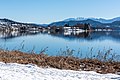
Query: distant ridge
[(94, 22), (72, 23), (6, 22), (102, 20)]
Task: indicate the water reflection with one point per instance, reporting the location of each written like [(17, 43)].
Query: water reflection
[(89, 36), (13, 34), (68, 35)]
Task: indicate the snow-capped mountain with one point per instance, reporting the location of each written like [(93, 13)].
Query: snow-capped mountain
[(8, 22), (95, 22), (5, 21), (95, 19)]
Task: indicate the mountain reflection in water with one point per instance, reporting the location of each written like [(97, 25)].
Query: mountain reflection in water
[(90, 36), (13, 34), (73, 35)]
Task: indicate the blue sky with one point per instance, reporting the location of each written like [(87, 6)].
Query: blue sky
[(47, 11)]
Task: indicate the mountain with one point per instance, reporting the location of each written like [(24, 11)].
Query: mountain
[(95, 19), (72, 23), (8, 22), (94, 22), (114, 24)]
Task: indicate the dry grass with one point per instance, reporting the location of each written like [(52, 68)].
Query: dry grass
[(59, 62)]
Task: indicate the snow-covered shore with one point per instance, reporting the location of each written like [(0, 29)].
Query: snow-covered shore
[(14, 71)]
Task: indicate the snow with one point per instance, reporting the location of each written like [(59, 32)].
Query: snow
[(14, 71), (102, 20)]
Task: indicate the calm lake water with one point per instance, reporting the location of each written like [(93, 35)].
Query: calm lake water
[(58, 43)]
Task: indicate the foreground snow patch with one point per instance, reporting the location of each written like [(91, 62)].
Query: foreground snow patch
[(14, 71)]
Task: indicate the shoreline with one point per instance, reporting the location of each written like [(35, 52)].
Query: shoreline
[(60, 62)]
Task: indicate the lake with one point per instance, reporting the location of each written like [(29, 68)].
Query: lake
[(80, 44)]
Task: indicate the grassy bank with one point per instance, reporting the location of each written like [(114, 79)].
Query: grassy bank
[(60, 62)]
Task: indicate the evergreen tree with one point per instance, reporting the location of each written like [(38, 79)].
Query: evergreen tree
[(66, 25)]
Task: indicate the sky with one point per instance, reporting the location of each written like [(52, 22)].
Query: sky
[(47, 11)]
